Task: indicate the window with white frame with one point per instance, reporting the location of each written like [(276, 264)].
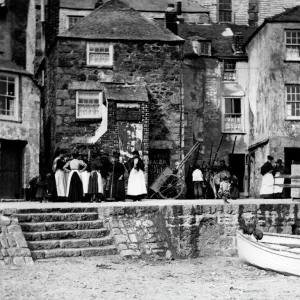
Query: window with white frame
[(229, 67), (225, 11), (292, 44), (88, 104), (99, 54), (293, 101), (8, 96), (233, 117), (72, 20), (202, 47)]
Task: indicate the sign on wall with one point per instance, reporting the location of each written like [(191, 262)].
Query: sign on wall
[(129, 112)]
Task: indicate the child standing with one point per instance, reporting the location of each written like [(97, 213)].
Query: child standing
[(198, 182), (224, 190), (41, 192)]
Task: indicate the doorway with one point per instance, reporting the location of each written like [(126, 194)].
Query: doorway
[(10, 169), (237, 165)]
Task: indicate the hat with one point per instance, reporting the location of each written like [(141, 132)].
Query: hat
[(279, 161), (116, 153), (270, 157)]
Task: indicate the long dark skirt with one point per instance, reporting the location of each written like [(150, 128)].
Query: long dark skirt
[(93, 183), (76, 189), (117, 190)]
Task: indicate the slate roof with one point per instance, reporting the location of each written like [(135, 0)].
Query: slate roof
[(9, 66), (290, 15), (115, 20), (140, 5), (221, 45)]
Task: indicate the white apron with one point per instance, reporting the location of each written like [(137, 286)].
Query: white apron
[(85, 176), (278, 189), (61, 185), (136, 183), (267, 184)]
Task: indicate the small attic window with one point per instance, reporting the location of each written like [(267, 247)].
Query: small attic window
[(202, 47)]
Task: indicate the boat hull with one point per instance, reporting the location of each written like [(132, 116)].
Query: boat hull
[(264, 256)]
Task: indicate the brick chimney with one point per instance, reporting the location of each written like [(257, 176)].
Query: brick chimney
[(171, 19), (98, 3), (179, 8), (238, 44)]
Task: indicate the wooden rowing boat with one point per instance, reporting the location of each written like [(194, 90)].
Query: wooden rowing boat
[(276, 252)]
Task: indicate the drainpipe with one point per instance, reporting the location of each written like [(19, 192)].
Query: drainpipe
[(43, 35)]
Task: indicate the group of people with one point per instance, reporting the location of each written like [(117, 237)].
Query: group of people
[(99, 178), (270, 171), (222, 185)]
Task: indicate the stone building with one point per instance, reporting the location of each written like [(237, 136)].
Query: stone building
[(19, 105), (215, 93), (274, 96), (114, 81)]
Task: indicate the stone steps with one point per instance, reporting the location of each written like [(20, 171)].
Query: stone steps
[(91, 251), (65, 232), (69, 243), (51, 226), (57, 217)]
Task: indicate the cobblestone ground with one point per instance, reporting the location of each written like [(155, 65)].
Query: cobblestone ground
[(111, 278)]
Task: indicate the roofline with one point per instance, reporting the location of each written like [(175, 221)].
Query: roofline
[(9, 70), (182, 11), (118, 39), (262, 25)]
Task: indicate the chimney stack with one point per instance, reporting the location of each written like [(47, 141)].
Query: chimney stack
[(179, 8), (238, 43), (98, 3), (171, 19)]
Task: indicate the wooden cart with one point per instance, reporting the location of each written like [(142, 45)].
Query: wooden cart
[(170, 184)]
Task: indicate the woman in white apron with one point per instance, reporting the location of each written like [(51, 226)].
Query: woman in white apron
[(267, 184), (136, 182), (74, 184), (279, 170)]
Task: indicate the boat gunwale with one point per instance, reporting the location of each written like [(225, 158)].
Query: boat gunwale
[(268, 248)]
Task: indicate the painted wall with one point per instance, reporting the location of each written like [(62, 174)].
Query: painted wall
[(27, 128)]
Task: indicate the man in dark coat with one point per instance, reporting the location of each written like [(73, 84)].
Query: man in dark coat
[(105, 167)]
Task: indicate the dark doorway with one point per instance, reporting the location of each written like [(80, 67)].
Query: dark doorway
[(237, 166), (158, 160), (10, 169), (290, 155)]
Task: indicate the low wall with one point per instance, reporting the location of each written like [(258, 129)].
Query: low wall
[(13, 246), (192, 230)]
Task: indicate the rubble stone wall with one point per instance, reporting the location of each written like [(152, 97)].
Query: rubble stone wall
[(154, 65), (186, 231), (13, 246)]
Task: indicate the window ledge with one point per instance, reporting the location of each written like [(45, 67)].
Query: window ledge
[(234, 132), (292, 118), (292, 60), (100, 66), (10, 120)]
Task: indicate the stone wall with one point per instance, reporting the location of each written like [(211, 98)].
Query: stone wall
[(192, 230), (27, 128), (13, 246), (155, 66)]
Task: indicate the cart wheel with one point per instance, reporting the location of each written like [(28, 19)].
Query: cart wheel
[(171, 187)]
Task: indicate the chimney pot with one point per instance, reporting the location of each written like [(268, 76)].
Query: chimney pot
[(179, 8)]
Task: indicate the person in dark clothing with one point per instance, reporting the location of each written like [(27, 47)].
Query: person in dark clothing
[(117, 182), (234, 188), (279, 170), (105, 166), (267, 184), (95, 184), (42, 189)]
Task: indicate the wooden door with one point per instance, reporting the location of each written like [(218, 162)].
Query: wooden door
[(10, 169)]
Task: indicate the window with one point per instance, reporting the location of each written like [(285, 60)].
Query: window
[(233, 115), (8, 96), (293, 101), (229, 70), (99, 54), (202, 47), (225, 11), (292, 43), (72, 20), (88, 105)]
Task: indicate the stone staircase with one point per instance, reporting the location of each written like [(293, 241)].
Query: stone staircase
[(65, 232)]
